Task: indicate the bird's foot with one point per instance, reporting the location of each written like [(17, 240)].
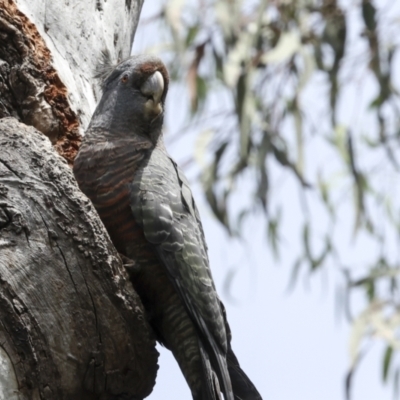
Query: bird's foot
[(130, 265)]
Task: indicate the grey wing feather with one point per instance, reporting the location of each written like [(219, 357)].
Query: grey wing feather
[(162, 204)]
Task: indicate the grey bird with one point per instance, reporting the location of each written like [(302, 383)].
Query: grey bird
[(145, 202)]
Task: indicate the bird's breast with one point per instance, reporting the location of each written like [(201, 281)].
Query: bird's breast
[(104, 174), (105, 177)]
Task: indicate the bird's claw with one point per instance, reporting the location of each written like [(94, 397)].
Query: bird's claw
[(129, 264)]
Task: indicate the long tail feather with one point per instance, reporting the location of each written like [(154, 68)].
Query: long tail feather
[(210, 389), (243, 387)]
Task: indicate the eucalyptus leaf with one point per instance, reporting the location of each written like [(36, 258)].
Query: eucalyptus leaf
[(303, 104), (386, 362), (289, 44)]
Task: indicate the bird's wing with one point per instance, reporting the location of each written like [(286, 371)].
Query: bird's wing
[(162, 204)]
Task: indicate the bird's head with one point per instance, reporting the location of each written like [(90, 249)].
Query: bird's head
[(133, 97)]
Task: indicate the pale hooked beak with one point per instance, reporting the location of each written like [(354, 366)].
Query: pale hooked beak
[(154, 87)]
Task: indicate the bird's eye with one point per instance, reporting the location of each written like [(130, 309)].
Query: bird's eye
[(124, 79)]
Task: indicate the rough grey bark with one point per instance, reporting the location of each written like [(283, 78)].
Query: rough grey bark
[(71, 326), (48, 56)]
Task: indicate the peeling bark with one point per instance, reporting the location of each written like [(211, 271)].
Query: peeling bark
[(48, 54), (30, 87), (70, 323)]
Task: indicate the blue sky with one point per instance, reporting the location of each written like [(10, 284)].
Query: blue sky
[(293, 346)]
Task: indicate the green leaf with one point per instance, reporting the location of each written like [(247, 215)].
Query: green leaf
[(209, 180), (358, 330), (340, 141), (219, 64), (263, 177), (368, 13), (370, 289), (173, 14), (240, 220), (308, 69), (191, 35), (387, 358), (273, 232), (201, 85), (200, 148), (298, 122), (233, 67), (295, 273), (325, 190), (289, 43)]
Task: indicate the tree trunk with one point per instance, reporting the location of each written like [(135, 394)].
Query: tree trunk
[(71, 325)]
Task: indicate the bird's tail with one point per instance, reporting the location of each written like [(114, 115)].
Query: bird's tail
[(225, 375), (211, 387), (209, 390), (243, 387)]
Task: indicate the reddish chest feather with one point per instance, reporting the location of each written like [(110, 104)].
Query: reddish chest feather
[(104, 174)]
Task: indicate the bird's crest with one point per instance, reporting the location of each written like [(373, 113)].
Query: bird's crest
[(105, 67)]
